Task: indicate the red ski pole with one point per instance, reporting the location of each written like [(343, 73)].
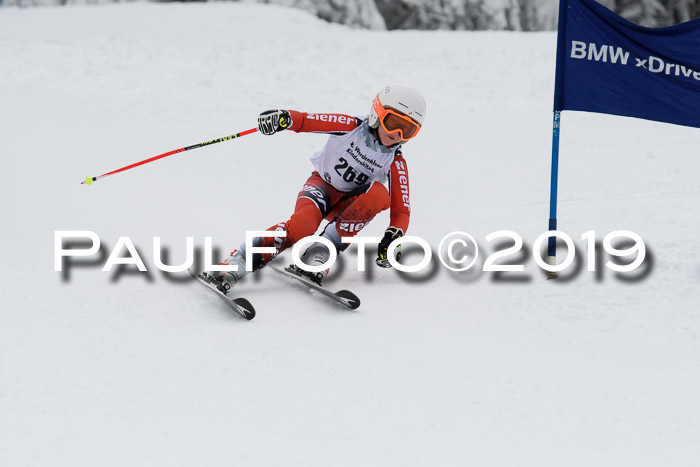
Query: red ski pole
[(89, 180)]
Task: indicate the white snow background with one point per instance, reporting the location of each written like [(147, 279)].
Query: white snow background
[(113, 369)]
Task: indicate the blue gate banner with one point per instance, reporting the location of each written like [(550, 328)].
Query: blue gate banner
[(609, 65)]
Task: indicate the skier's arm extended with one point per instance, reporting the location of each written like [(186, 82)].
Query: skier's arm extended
[(398, 188), (274, 121), (322, 123), (400, 210)]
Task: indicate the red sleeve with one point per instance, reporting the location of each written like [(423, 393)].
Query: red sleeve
[(303, 122), (398, 188)]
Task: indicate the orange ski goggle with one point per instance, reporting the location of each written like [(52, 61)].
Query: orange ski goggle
[(394, 122)]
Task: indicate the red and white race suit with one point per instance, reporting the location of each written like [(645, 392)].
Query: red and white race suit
[(354, 157), (355, 178)]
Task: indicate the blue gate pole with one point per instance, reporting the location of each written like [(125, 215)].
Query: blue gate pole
[(552, 242)]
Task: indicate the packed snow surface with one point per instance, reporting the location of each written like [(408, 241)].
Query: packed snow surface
[(436, 368)]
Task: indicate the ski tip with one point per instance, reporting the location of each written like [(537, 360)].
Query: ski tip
[(246, 308), (348, 298)]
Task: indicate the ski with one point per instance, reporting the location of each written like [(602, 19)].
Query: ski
[(239, 305), (343, 297)]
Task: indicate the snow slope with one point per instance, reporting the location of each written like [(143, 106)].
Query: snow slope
[(434, 369)]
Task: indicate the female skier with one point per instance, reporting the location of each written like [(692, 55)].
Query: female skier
[(360, 172)]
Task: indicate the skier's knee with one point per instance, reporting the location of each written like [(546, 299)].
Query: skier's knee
[(305, 220)]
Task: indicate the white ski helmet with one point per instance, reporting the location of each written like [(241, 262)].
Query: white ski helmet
[(401, 98)]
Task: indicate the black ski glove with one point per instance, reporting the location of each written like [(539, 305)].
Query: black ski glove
[(274, 121), (391, 234)]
